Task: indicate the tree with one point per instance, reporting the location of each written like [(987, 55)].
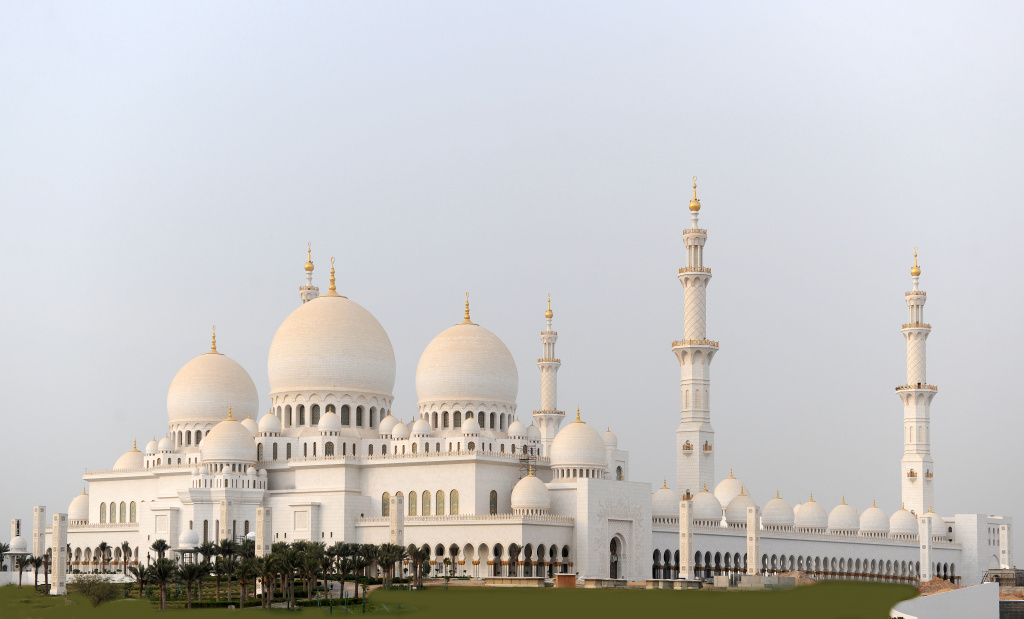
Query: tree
[(326, 564), (208, 550), (36, 563), (103, 548), (291, 559), (126, 549), (22, 563), (219, 570), (228, 551), (246, 572), (266, 570), (417, 556), (190, 574), (160, 546), (140, 574), (4, 549), (163, 573), (309, 569), (360, 561), (344, 564)]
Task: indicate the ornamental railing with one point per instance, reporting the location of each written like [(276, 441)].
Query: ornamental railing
[(695, 270), (469, 518), (917, 292), (917, 386), (917, 325), (695, 231), (712, 343)]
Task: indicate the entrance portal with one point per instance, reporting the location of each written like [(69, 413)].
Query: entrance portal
[(613, 559)]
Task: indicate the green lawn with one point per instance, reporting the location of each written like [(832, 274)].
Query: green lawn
[(840, 600)]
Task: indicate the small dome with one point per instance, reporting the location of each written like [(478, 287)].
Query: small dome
[(79, 507), (707, 507), (251, 471), (874, 520), (188, 539), (270, 424), (467, 362), (229, 441), (166, 444), (249, 424), (777, 513), (471, 428), (329, 422), (903, 522), (152, 447), (421, 427), (843, 518), (665, 502), (796, 508), (578, 445), (18, 545), (811, 516), (736, 511), (728, 489), (387, 425), (533, 432), (400, 431), (517, 429), (610, 440), (196, 471), (206, 386), (262, 473), (131, 460), (530, 493)]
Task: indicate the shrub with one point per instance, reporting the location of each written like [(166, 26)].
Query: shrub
[(97, 589)]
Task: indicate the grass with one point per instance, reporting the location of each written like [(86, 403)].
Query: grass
[(830, 600)]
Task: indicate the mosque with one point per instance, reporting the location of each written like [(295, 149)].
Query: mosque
[(330, 462)]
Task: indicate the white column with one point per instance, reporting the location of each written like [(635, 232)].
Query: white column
[(686, 539), (753, 540), (1005, 547), (59, 555), (396, 514), (924, 536), (264, 531), (39, 530)]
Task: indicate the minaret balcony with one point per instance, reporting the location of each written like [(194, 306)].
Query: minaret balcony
[(917, 325), (695, 231), (916, 387), (549, 360), (917, 293), (679, 343), (695, 270), (912, 475)]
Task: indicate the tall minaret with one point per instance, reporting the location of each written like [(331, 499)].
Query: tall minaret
[(695, 438), (548, 418), (309, 291), (917, 469)]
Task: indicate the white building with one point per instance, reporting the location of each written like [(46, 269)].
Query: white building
[(327, 460)]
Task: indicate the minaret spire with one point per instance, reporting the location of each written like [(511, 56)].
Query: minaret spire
[(548, 418), (917, 467), (309, 291), (695, 438), (213, 342)]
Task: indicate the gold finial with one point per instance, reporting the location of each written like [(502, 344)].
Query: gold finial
[(83, 489), (903, 507), (135, 445), (915, 270), (873, 503), (229, 414), (664, 484), (332, 289), (309, 258), (705, 486), (531, 471), (213, 341), (742, 491), (465, 319), (549, 314), (777, 494), (730, 473), (930, 510), (812, 498), (694, 203), (577, 414)]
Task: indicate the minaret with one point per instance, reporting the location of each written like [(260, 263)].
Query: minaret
[(548, 418), (917, 469), (309, 291), (695, 438)]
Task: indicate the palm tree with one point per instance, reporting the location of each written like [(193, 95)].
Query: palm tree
[(246, 572), (36, 563), (326, 564), (345, 565), (102, 548), (162, 573), (309, 569), (22, 563), (191, 573), (229, 550), (4, 549), (219, 571), (290, 562), (126, 549), (416, 558), (208, 550), (140, 574), (360, 561), (160, 546), (266, 571), (247, 549)]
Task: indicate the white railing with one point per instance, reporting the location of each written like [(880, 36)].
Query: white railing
[(468, 518)]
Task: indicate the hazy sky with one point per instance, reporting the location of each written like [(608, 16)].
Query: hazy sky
[(162, 167)]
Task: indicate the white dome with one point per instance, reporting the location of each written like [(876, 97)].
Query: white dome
[(206, 386), (251, 471), (471, 428), (188, 539), (736, 511), (387, 425), (400, 430), (131, 460), (874, 520), (777, 513), (251, 426), (79, 507), (467, 363), (331, 344), (728, 489), (578, 445), (811, 516), (530, 493), (229, 441), (903, 523), (665, 503), (844, 518), (329, 422), (152, 447), (166, 444), (18, 544), (610, 440), (270, 424), (421, 427), (707, 507), (517, 429), (533, 432)]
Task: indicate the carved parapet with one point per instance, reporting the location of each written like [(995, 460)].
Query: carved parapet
[(680, 343), (917, 386)]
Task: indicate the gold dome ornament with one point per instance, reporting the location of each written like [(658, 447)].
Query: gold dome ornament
[(915, 271), (549, 314), (466, 320), (213, 342), (309, 258), (694, 203)]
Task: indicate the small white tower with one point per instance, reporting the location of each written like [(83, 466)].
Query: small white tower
[(309, 291), (917, 474), (695, 438), (548, 418)]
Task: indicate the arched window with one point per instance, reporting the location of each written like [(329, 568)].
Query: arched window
[(494, 502), (437, 447), (373, 416), (457, 420), (301, 410), (426, 448), (370, 450), (131, 512), (345, 420), (439, 504), (385, 505), (188, 438), (259, 452), (412, 503), (314, 450), (470, 446), (314, 414), (275, 452), (180, 442), (329, 449), (492, 420), (288, 451), (513, 447), (502, 449), (359, 416), (444, 419), (199, 436), (246, 527), (103, 513), (206, 531), (305, 450), (426, 502), (618, 473), (434, 416), (288, 416), (453, 502), (414, 447)]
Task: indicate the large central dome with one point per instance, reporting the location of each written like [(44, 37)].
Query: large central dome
[(206, 386), (467, 363), (331, 343)]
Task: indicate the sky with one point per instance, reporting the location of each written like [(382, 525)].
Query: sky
[(163, 166)]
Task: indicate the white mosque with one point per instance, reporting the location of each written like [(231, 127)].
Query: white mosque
[(330, 462)]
